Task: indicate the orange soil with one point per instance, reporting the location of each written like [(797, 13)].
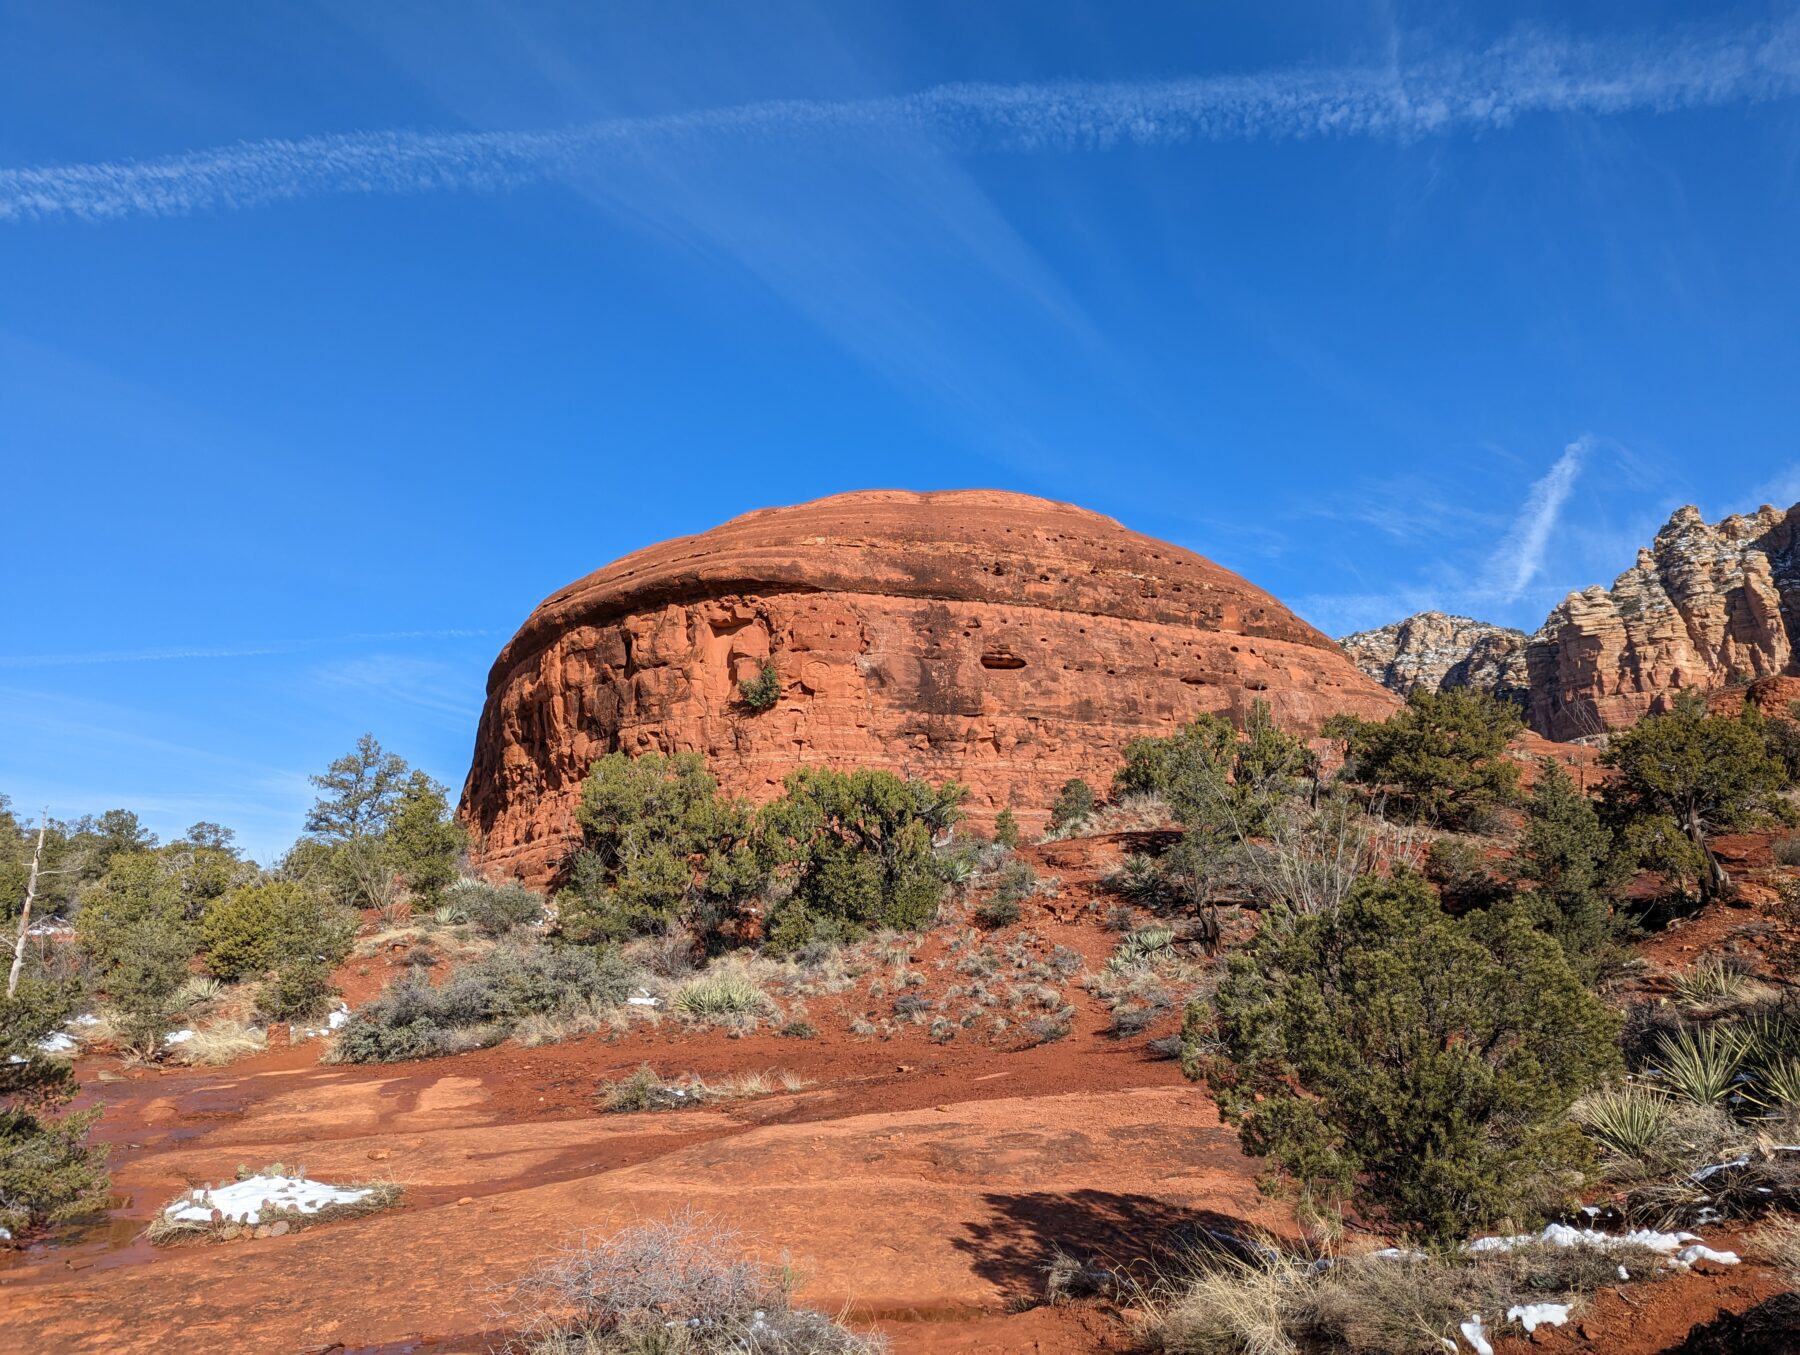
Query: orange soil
[(920, 1187)]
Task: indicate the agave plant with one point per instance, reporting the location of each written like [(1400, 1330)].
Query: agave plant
[(1628, 1120), (1146, 944), (1701, 1064)]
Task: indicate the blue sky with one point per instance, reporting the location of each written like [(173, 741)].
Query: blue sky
[(333, 337)]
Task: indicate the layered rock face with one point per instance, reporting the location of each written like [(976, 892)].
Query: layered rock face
[(1437, 652), (1001, 640), (1706, 606)]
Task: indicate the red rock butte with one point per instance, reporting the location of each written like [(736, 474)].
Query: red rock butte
[(1002, 640)]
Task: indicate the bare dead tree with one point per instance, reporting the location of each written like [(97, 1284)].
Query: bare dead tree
[(31, 884)]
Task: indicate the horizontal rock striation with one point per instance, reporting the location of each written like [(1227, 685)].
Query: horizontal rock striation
[(1706, 606), (1437, 652), (1002, 640)]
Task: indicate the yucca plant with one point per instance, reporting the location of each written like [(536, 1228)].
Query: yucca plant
[(1712, 983), (1776, 1085), (724, 995), (1629, 1120), (1701, 1064), (1771, 1034)]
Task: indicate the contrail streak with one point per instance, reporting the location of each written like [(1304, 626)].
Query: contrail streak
[(1490, 89)]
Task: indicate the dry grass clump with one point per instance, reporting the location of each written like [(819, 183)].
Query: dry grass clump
[(645, 1090), (221, 1042), (679, 1287), (1268, 1301), (1779, 1241)]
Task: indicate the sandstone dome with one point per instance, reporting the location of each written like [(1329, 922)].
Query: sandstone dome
[(999, 639)]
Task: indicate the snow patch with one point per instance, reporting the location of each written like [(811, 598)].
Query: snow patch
[(1674, 1246), (1473, 1334), (1533, 1315), (339, 1018), (643, 998), (175, 1037), (245, 1201)]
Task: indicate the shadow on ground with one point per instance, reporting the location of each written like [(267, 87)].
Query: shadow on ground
[(1012, 1248)]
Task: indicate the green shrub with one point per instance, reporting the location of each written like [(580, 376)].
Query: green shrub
[(1416, 1064), (762, 691), (495, 909), (1696, 774), (48, 1171), (423, 840), (299, 989), (1460, 871), (134, 930), (1443, 755), (1074, 802), (1006, 829), (997, 911), (659, 845), (855, 851), (261, 927)]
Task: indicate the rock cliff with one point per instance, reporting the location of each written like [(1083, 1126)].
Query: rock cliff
[(1705, 606), (1002, 640), (1437, 652)]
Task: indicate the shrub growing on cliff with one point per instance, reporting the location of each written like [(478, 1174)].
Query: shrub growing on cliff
[(1443, 755), (658, 842), (854, 851), (762, 691), (1416, 1064)]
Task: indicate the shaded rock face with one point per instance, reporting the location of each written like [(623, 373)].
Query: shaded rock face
[(1437, 652), (1705, 606), (1001, 640)]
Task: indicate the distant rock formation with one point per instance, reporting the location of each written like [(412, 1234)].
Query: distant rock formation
[(1437, 652), (1705, 606), (1002, 640)]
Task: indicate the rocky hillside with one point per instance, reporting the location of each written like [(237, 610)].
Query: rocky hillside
[(1437, 651), (1001, 640), (1706, 605)]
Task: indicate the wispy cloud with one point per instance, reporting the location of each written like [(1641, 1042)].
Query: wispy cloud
[(228, 651), (1521, 555), (1489, 89)]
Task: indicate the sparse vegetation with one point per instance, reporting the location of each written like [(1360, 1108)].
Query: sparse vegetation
[(481, 1003), (678, 1287)]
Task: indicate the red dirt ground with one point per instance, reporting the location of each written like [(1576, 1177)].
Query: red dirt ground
[(917, 1186)]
